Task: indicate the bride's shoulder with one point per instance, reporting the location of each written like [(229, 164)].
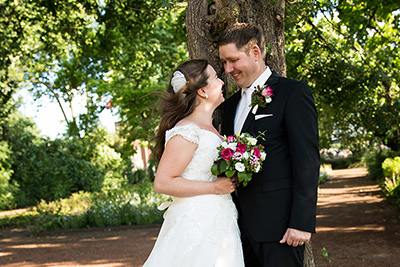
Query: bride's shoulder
[(186, 129)]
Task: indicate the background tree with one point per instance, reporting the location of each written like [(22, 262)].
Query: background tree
[(72, 50), (348, 53), (98, 52), (146, 40), (54, 42)]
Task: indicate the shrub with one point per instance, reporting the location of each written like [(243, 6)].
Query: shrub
[(7, 190), (50, 170), (391, 186), (373, 159), (391, 167), (133, 204)]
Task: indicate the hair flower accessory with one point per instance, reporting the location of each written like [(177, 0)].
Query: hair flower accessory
[(261, 97), (178, 81)]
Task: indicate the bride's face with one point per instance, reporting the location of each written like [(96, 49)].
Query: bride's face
[(214, 86)]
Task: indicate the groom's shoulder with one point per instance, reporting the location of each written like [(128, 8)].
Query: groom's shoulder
[(287, 79), (291, 83)]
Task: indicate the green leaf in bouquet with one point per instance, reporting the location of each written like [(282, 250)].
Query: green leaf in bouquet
[(219, 167), (215, 170), (230, 173), (244, 177), (223, 166), (241, 177)]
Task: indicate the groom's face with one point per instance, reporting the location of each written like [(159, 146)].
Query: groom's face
[(239, 64)]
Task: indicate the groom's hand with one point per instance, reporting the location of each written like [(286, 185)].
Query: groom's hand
[(294, 237)]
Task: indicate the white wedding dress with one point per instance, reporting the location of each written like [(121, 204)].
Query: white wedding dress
[(199, 231)]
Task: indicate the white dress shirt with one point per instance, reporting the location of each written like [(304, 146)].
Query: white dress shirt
[(243, 107)]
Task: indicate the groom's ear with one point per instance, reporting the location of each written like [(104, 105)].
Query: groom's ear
[(256, 52)]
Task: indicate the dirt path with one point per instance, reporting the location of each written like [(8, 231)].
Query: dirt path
[(355, 226)]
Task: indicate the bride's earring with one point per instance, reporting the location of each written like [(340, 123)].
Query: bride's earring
[(206, 96)]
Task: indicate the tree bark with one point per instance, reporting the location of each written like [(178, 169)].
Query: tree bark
[(204, 23), (205, 20), (308, 256)]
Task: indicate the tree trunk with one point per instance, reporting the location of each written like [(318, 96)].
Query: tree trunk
[(205, 20), (204, 23), (308, 256)]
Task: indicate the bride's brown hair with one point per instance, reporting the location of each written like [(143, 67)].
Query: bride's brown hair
[(176, 106)]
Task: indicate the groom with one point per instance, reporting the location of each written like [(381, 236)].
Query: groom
[(277, 209)]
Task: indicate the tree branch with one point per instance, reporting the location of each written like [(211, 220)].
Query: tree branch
[(55, 95)]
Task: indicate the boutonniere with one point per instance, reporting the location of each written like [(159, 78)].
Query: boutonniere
[(261, 97)]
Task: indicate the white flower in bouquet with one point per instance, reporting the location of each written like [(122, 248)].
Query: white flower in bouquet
[(240, 167), (252, 141), (224, 144)]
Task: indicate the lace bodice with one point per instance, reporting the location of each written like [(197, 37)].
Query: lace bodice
[(199, 168)]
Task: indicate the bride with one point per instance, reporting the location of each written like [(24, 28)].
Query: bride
[(200, 226)]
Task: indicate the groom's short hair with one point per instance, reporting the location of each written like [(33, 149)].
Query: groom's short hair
[(243, 35)]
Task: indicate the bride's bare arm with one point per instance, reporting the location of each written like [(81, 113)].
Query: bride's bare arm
[(176, 157)]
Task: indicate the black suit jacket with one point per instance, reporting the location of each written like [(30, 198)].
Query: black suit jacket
[(284, 193)]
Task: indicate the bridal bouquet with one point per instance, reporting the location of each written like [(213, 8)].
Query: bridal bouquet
[(239, 157)]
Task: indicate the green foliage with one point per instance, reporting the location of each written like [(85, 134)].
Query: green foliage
[(133, 204), (340, 163), (391, 185), (7, 190), (347, 53), (44, 169), (391, 167), (95, 51), (326, 255), (53, 42), (384, 166), (7, 104), (156, 46), (373, 159)]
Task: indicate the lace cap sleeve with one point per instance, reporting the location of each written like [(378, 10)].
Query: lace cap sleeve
[(189, 132)]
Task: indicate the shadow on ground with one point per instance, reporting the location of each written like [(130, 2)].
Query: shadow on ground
[(355, 226)]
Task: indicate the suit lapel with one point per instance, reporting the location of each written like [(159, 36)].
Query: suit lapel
[(272, 81), (249, 119)]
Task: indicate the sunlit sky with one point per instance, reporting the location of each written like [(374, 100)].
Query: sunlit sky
[(48, 115)]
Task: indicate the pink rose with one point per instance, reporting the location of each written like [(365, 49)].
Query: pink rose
[(230, 138), (241, 148), (267, 91), (227, 153), (256, 152)]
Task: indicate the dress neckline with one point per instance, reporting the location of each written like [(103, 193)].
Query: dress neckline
[(220, 138)]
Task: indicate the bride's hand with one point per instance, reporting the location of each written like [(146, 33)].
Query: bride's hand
[(223, 186)]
